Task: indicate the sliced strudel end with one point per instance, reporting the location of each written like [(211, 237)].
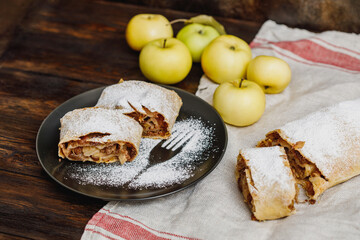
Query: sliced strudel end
[(323, 148), (99, 135), (154, 107), (264, 177)]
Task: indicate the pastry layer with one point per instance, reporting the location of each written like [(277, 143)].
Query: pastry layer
[(265, 179), (99, 135), (154, 107)]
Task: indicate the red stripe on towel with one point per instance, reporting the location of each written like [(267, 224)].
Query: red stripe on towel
[(313, 52), (125, 227), (99, 233), (336, 46), (316, 53)]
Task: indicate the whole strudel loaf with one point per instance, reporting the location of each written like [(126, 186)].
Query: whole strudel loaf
[(323, 148)]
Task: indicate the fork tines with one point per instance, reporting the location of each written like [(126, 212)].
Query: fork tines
[(178, 140)]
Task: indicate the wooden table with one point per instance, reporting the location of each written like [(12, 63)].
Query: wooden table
[(51, 51)]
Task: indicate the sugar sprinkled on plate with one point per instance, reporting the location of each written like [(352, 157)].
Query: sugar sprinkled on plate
[(138, 174)]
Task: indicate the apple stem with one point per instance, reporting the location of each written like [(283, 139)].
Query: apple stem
[(179, 20), (242, 79), (164, 43)]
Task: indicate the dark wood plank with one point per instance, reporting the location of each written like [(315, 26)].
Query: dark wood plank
[(41, 209), (7, 236), (37, 86), (25, 100), (11, 14)]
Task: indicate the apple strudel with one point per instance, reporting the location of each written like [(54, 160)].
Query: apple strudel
[(265, 179), (154, 107), (99, 135), (323, 148)]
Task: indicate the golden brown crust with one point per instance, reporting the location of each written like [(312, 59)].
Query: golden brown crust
[(264, 177)]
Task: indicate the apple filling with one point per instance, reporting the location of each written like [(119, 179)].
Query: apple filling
[(153, 123), (242, 173), (305, 172), (87, 150)]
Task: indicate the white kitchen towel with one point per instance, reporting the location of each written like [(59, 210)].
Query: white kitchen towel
[(325, 70)]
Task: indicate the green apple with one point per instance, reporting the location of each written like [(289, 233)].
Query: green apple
[(143, 28), (239, 102), (165, 61), (196, 37), (226, 58), (271, 73)]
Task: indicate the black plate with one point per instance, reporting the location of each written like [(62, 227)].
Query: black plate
[(193, 107)]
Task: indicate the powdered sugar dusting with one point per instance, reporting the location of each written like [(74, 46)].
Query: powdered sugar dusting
[(138, 174), (330, 137), (128, 94), (80, 122), (269, 168)]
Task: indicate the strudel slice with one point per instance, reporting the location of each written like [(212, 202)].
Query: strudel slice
[(323, 148), (264, 177), (154, 107), (99, 135)]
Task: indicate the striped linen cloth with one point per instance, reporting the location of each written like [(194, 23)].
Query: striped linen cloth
[(326, 70)]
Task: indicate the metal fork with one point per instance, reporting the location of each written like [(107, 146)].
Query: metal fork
[(166, 149)]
